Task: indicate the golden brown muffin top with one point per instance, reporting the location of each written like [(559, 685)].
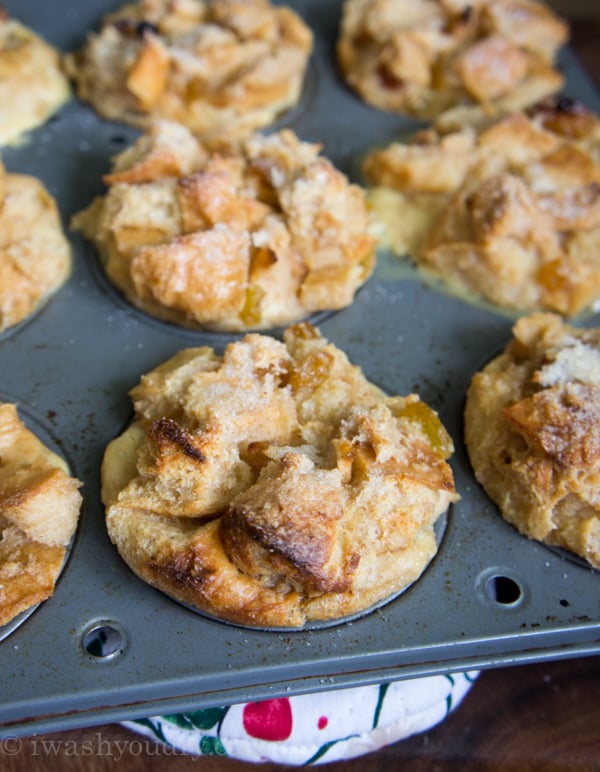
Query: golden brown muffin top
[(274, 484)]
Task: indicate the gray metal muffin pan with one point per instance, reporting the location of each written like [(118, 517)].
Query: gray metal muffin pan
[(490, 597)]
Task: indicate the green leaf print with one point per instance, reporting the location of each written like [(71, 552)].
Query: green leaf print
[(180, 720), (207, 718), (212, 746), (324, 748), (449, 696), (197, 719), (154, 728), (380, 700)]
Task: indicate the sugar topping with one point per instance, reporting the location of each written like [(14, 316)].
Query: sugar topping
[(577, 361)]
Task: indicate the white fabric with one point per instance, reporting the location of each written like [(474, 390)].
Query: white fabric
[(313, 728)]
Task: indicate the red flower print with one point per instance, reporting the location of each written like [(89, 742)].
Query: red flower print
[(268, 720)]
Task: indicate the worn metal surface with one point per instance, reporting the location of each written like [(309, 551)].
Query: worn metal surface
[(69, 370)]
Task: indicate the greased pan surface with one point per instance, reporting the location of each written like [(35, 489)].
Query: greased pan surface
[(489, 598)]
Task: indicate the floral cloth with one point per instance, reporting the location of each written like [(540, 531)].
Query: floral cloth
[(313, 728)]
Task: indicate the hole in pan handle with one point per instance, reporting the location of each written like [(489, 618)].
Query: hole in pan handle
[(103, 640), (502, 587)]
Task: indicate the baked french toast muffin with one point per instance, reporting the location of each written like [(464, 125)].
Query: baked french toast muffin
[(35, 256), (508, 213), (274, 485), (33, 85), (39, 510), (223, 68), (532, 430), (465, 60), (255, 238)]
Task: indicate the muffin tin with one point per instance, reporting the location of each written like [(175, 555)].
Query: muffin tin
[(107, 646)]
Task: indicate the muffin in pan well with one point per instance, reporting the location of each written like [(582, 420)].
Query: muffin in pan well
[(532, 430), (275, 485), (457, 61), (255, 238), (223, 68), (39, 511), (508, 212), (35, 256), (33, 85)]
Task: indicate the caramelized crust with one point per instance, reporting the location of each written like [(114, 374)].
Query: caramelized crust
[(274, 485), (39, 509), (250, 239), (465, 60), (32, 84), (221, 67), (509, 212), (531, 429), (35, 256)]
